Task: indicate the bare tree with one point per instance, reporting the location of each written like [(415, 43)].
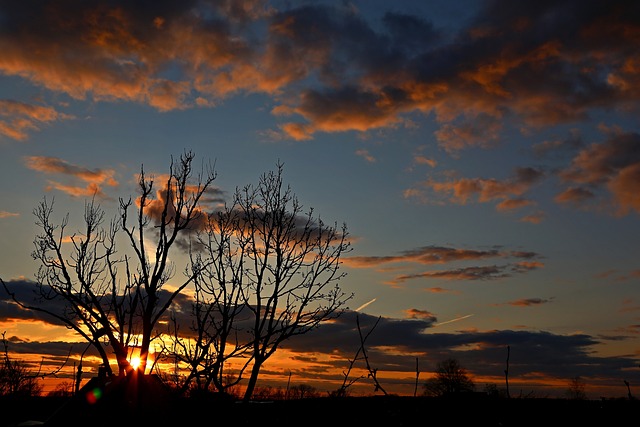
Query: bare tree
[(450, 378), (302, 391), (110, 298), (506, 371), (291, 264), (219, 316), (16, 377), (373, 372), (272, 272), (361, 354), (576, 389)]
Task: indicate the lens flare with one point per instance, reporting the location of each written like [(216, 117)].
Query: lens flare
[(94, 395)]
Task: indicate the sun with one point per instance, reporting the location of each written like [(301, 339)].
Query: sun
[(135, 362)]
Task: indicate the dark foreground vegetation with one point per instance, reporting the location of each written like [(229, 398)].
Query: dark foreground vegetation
[(143, 405)]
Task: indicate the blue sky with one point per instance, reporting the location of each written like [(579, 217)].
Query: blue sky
[(484, 156)]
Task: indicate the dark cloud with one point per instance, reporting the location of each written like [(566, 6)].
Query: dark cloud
[(544, 62), (430, 255), (559, 147), (532, 353), (436, 255), (527, 302), (509, 68), (395, 344), (26, 292), (490, 272), (613, 164)]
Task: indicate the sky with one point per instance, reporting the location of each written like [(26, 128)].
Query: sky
[(484, 155)]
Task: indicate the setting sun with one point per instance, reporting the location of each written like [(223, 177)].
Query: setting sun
[(135, 362)]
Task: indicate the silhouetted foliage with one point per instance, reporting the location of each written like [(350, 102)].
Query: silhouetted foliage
[(15, 377), (450, 378), (576, 389), (302, 391), (63, 389), (492, 390)]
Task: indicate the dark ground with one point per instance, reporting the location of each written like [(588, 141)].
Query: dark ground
[(325, 411), (145, 404)]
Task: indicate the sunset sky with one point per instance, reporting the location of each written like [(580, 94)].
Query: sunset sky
[(484, 155)]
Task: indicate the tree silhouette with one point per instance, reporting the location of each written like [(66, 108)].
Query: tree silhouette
[(112, 298), (576, 389), (16, 376), (291, 264), (450, 378), (270, 271), (17, 380), (264, 271)]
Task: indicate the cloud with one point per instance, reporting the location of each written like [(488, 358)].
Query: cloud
[(482, 131), (428, 255), (559, 147), (18, 118), (439, 290), (5, 214), (366, 155), (395, 344), (414, 313), (120, 51), (534, 218), (434, 255), (422, 160), (26, 292), (343, 72), (613, 165), (542, 70), (528, 302), (508, 193), (490, 272), (94, 178)]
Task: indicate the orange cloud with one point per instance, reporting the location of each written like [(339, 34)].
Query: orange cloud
[(528, 302), (440, 290), (414, 313), (17, 118), (56, 165), (613, 165), (534, 218), (74, 191), (513, 204), (422, 160), (328, 65), (94, 178), (366, 155), (462, 190)]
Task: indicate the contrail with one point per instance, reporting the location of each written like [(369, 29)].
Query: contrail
[(453, 320), (365, 304)]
